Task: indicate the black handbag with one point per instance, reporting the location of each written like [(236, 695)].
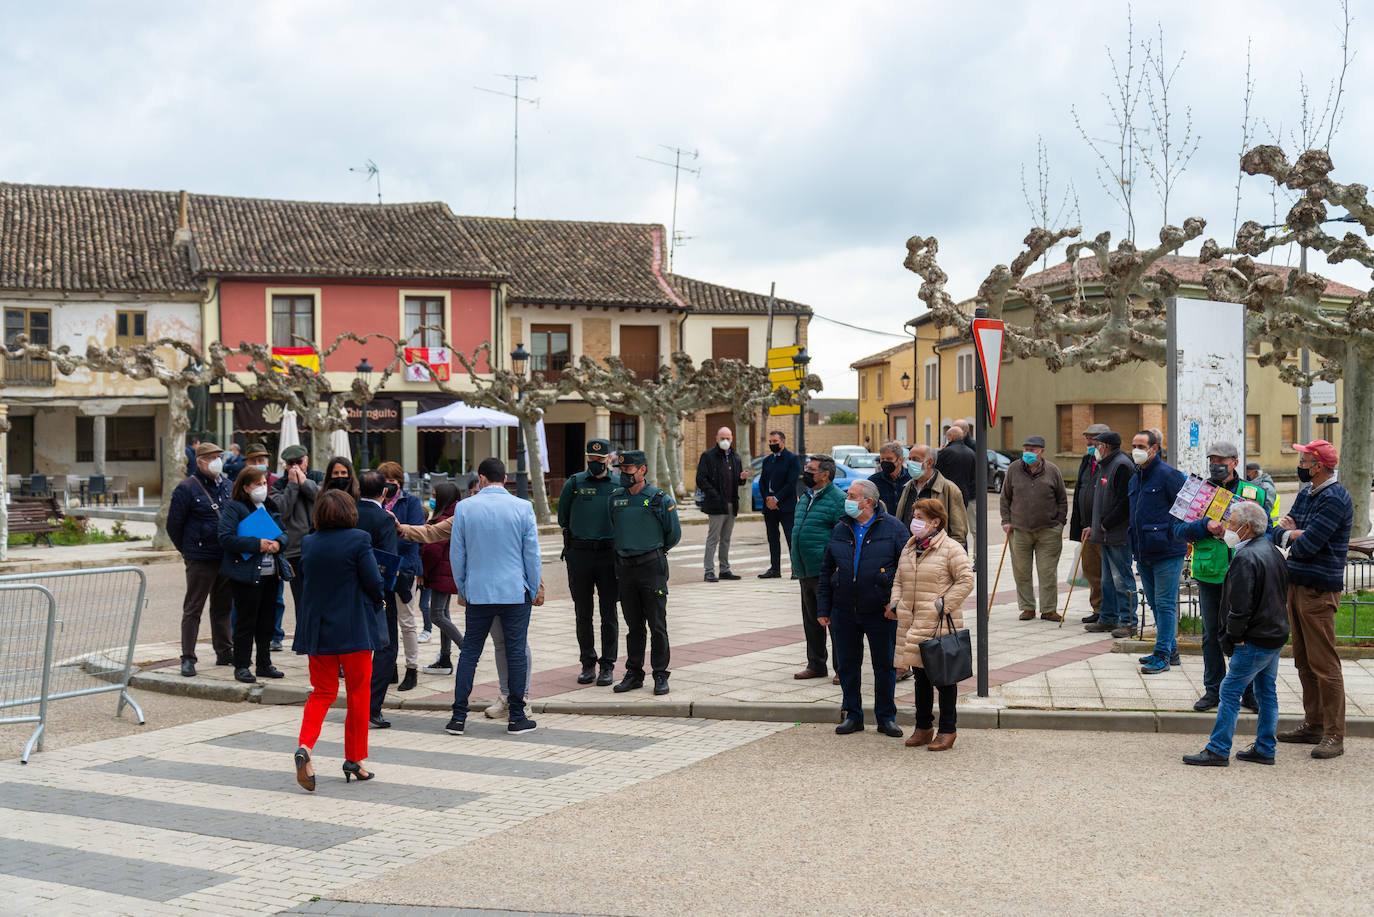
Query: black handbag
[(947, 658)]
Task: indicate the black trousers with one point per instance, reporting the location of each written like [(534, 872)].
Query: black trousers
[(593, 570), (815, 633), (384, 659), (925, 701), (772, 520), (644, 599), (297, 583), (203, 580), (255, 620)]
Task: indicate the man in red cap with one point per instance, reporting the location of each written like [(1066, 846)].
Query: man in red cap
[(1316, 533)]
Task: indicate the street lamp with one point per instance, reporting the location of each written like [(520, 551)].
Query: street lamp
[(519, 363), (906, 381), (364, 371), (800, 360)]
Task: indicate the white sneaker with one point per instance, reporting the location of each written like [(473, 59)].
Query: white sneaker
[(424, 636), (497, 709)]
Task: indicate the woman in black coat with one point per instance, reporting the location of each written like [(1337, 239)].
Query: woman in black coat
[(254, 567), (339, 475), (338, 626)]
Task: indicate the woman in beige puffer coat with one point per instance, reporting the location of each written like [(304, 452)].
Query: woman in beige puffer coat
[(932, 566)]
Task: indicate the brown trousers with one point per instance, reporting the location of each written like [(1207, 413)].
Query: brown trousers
[(203, 580), (1090, 566), (1312, 613)]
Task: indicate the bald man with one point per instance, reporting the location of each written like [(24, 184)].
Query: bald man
[(719, 475)]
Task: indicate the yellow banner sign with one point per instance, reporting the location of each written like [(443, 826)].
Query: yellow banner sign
[(781, 409), (782, 356)]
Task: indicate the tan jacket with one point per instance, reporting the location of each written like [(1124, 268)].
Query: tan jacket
[(942, 570), (948, 493), (440, 531)]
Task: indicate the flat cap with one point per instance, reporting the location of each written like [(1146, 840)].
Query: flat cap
[(1037, 441), (1223, 449), (1110, 438), (598, 447), (207, 449), (1095, 428), (1252, 466), (291, 453), (632, 457)]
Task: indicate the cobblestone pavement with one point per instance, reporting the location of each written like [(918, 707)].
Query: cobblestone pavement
[(206, 816)]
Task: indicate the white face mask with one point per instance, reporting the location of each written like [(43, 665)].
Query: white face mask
[(1141, 456), (1232, 538), (259, 493), (724, 445), (918, 527), (1100, 452), (214, 468)]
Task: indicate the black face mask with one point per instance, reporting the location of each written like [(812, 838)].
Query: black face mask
[(809, 479), (336, 484), (391, 490), (775, 448), (1304, 474), (627, 480), (596, 469), (888, 467), (1218, 473)]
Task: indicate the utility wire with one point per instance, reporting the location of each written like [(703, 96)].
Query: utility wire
[(834, 321)]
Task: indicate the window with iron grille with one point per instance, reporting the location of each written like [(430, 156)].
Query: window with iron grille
[(624, 432)]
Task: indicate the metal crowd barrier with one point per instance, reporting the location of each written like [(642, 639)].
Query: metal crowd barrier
[(94, 610), (28, 620)]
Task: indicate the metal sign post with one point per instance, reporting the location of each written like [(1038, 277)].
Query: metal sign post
[(987, 339)]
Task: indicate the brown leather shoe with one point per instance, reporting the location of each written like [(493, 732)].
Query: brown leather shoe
[(943, 742), (1027, 615), (1051, 616), (1329, 747), (1306, 734), (920, 737), (809, 673)]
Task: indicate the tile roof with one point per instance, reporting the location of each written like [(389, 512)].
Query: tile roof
[(881, 356), (711, 297), (256, 236), (576, 262), (91, 239), (1187, 269)]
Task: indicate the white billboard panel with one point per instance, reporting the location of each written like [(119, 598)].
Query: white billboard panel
[(1206, 370)]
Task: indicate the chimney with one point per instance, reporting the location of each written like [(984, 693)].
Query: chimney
[(183, 233)]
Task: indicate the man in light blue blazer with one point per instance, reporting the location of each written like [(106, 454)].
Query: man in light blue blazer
[(494, 552)]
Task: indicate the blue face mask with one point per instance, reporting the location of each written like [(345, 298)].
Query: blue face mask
[(431, 504), (851, 507), (917, 469), (1029, 457)]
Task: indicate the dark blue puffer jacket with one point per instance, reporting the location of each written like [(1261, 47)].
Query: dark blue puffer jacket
[(868, 589)]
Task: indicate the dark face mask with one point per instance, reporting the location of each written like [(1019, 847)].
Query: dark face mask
[(775, 448), (336, 484), (627, 480), (809, 479), (1304, 474), (1218, 473), (888, 467), (391, 490), (596, 469)]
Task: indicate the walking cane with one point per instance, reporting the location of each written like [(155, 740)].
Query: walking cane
[(992, 596), (1077, 562)]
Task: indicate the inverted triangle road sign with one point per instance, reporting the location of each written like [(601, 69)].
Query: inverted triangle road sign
[(987, 337)]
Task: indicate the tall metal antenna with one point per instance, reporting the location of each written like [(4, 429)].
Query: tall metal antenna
[(371, 171), (678, 168), (515, 78)]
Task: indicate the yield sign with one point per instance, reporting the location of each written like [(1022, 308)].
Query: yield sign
[(987, 337)]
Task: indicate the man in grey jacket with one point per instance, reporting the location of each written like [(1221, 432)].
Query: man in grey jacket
[(1034, 506), (293, 497)]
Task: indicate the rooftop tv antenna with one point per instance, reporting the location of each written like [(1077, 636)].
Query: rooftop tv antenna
[(371, 171), (515, 78), (678, 168)]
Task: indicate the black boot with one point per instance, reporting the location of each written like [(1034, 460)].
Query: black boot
[(607, 675), (588, 674), (409, 681)]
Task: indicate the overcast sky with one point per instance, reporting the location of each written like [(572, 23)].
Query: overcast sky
[(828, 132)]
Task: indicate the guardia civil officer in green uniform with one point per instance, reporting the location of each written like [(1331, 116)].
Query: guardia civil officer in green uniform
[(584, 514), (645, 526)]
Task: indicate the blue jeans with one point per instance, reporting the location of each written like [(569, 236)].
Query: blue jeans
[(424, 607), (1118, 587), (848, 632), (1159, 580), (1248, 664), (514, 621), (1213, 662), (280, 634)]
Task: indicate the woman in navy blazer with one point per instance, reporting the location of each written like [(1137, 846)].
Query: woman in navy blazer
[(252, 579), (338, 627)]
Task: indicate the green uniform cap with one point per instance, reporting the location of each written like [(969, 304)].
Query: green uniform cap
[(632, 457), (600, 447)]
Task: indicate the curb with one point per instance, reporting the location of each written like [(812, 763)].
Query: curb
[(148, 558), (1192, 648)]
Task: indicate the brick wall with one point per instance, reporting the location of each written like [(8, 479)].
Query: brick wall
[(596, 338), (822, 437)]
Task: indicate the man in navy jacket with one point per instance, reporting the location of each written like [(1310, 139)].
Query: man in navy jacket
[(852, 593), (193, 526), (381, 528), (778, 478), (1158, 555)]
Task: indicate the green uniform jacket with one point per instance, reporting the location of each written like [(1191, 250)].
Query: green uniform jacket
[(644, 522), (814, 521), (584, 507)]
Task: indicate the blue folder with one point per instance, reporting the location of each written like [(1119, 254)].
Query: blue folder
[(388, 565), (259, 524)]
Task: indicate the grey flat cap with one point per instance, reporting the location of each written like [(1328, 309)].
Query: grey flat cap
[(1223, 449)]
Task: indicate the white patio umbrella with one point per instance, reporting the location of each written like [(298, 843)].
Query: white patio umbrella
[(460, 416), (289, 436), (338, 444)]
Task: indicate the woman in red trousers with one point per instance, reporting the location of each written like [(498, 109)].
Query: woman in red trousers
[(338, 626)]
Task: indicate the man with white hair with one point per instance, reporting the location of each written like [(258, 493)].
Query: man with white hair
[(930, 483), (1255, 629)]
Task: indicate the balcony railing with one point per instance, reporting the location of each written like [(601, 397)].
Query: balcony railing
[(550, 364), (643, 365), (27, 371)]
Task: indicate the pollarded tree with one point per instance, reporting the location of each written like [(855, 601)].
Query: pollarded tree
[(611, 385), (745, 389), (1288, 311)]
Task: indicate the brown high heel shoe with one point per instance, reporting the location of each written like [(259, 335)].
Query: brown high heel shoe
[(307, 781), (920, 737), (943, 742)]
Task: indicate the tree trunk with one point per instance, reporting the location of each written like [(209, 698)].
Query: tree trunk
[(662, 472), (651, 447), (1357, 441), (320, 453), (536, 471), (672, 437), (743, 428), (174, 454)]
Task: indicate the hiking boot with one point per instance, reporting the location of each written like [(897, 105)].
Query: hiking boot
[(1097, 627), (1306, 734), (1051, 616), (660, 684), (587, 675), (1329, 747), (1146, 660), (1123, 631), (1156, 666), (1090, 619), (1027, 615), (1175, 660), (606, 676)]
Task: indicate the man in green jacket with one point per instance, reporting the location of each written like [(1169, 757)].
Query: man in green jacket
[(818, 510)]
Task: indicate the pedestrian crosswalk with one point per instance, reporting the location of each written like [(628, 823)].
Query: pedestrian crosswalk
[(207, 817)]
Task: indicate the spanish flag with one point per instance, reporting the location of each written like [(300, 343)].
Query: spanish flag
[(305, 356)]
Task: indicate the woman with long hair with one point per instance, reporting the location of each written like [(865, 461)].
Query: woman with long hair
[(439, 580), (338, 627), (255, 568), (339, 475)]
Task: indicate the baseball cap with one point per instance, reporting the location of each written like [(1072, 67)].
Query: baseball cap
[(1321, 450)]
